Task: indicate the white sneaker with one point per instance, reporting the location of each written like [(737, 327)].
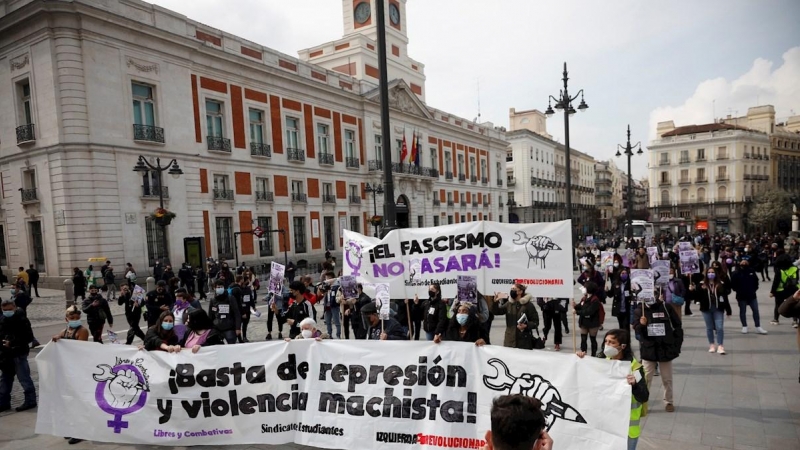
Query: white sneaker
[(711, 348), (744, 330), (720, 350), (794, 325), (760, 330)]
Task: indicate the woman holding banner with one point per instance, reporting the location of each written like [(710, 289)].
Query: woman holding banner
[(521, 316), (200, 331), (161, 336), (434, 314), (465, 326)]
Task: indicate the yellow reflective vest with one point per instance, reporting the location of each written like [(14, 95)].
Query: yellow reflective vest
[(635, 429)]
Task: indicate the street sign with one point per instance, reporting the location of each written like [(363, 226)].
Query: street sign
[(258, 231)]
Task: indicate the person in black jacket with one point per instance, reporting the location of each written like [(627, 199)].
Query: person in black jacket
[(552, 311), (202, 282), (712, 295), (97, 313), (588, 311), (224, 312), (133, 313), (382, 330), (464, 326), (78, 284), (200, 331), (745, 283), (299, 309), (157, 302), (353, 310), (415, 306), (33, 280), (661, 335), (187, 278), (434, 313), (620, 293), (168, 273), (15, 334), (243, 294), (161, 336)]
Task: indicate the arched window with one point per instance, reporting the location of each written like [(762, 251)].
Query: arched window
[(722, 194), (665, 197), (701, 195)]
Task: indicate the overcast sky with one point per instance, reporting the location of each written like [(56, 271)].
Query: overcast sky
[(639, 62)]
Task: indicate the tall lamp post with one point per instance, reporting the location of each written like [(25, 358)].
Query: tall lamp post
[(389, 208), (173, 169), (377, 189), (564, 101), (628, 150)]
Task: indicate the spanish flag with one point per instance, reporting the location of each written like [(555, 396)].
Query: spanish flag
[(404, 151), (413, 158)]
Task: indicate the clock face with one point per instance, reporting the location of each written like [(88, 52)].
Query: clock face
[(394, 14), (362, 12)]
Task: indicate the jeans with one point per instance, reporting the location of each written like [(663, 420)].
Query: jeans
[(715, 320), (632, 443), (332, 315), (230, 336), (753, 304), (23, 373)]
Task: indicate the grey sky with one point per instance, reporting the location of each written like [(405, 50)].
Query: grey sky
[(639, 62)]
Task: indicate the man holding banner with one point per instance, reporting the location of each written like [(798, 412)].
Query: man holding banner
[(387, 329)]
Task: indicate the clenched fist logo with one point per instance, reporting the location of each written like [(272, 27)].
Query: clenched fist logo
[(122, 388)]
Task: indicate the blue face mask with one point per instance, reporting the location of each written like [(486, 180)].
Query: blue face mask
[(8, 313), (74, 323), (462, 318), (167, 325)]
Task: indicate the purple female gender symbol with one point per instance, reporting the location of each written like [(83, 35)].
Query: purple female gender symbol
[(99, 395), (352, 248)]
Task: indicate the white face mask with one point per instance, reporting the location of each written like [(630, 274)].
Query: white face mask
[(220, 291), (610, 352), (616, 264), (307, 334), (671, 276)]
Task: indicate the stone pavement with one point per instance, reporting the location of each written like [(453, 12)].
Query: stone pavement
[(748, 399)]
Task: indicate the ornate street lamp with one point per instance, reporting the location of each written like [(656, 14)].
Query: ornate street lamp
[(628, 150)]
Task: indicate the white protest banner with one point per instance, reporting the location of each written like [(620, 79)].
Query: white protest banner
[(661, 272), (689, 262), (538, 255), (642, 284), (276, 274), (330, 394)]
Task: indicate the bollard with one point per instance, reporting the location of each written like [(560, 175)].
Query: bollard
[(151, 284), (69, 293)]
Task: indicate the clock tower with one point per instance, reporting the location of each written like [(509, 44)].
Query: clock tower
[(356, 53)]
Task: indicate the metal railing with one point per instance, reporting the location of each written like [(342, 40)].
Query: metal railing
[(325, 158), (328, 198), (351, 163), (474, 203), (296, 154), (29, 195), (450, 203), (219, 144), (484, 181), (664, 182), (685, 161), (448, 175), (374, 165), (355, 200), (260, 149), (701, 180), (26, 133), (148, 133), (510, 181), (265, 196), (664, 163), (473, 179), (299, 198), (223, 194), (436, 202), (462, 177), (155, 191)]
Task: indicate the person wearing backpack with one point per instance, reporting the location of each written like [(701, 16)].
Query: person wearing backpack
[(784, 285)]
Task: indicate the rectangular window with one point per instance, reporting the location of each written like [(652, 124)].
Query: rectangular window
[(434, 159), (355, 224), (723, 172), (299, 227), (262, 185), (448, 162), (157, 242), (420, 222), (323, 139), (25, 105), (664, 158), (701, 154), (483, 168), (292, 132), (400, 150), (328, 225), (256, 126), (436, 221), (684, 175), (349, 144), (221, 182), (664, 177), (449, 220), (144, 110), (265, 241), (3, 257), (378, 147), (327, 189), (297, 187), (701, 174), (472, 167), (460, 165), (449, 197), (722, 153), (354, 191), (214, 118), (225, 237)]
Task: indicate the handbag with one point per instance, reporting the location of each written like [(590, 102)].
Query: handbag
[(676, 299), (538, 342)]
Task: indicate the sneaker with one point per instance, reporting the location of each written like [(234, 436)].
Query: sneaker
[(557, 348), (774, 322), (760, 330), (269, 337), (25, 407), (711, 348), (670, 407), (744, 330), (720, 350)]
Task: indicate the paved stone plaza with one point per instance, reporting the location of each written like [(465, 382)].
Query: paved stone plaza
[(747, 399)]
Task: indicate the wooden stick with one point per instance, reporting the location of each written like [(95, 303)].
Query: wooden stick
[(574, 331), (408, 314)]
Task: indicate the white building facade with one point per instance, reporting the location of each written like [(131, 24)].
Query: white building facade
[(530, 176), (262, 138)]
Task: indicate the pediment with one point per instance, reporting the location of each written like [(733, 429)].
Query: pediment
[(401, 99)]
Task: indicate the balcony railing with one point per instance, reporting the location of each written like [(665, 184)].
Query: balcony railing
[(664, 182), (700, 158), (499, 182), (473, 179), (351, 163), (685, 181), (462, 177), (148, 133), (474, 203), (299, 198), (29, 195), (448, 175), (685, 161), (511, 181), (509, 158), (664, 162), (355, 200), (436, 202), (325, 159), (328, 199), (219, 144), (484, 181), (223, 195), (26, 134), (374, 165), (463, 203), (412, 169), (722, 157), (722, 178), (260, 149), (296, 154), (450, 203), (485, 204), (701, 180), (265, 196), (155, 191), (747, 156)]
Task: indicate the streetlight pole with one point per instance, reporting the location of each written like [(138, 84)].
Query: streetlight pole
[(377, 189), (564, 101), (390, 214), (172, 167), (628, 150)]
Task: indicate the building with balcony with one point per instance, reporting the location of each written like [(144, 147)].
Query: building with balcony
[(703, 177), (610, 187), (263, 139)]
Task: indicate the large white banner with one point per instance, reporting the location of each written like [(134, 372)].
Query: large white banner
[(538, 255), (330, 394)]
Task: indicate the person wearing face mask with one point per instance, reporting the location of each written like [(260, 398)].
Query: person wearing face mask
[(784, 284), (616, 349), (97, 313), (161, 336), (74, 331), (434, 312), (712, 294), (308, 330), (642, 261), (620, 293), (200, 331), (514, 305), (299, 309), (15, 334), (723, 270), (588, 311), (745, 283), (179, 311), (157, 302), (133, 314), (661, 338), (354, 306), (224, 312), (590, 274), (464, 326), (383, 330)]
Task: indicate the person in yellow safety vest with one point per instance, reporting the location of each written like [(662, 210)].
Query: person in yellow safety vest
[(784, 285), (614, 348)]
